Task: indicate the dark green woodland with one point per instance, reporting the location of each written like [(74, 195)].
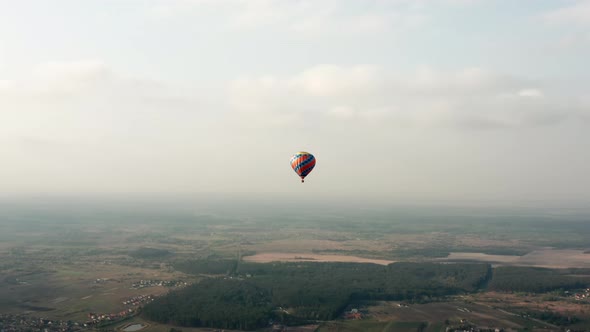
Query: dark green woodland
[(247, 296)]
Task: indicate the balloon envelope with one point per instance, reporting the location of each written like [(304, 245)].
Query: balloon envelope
[(302, 163)]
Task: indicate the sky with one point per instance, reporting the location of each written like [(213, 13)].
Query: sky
[(397, 99)]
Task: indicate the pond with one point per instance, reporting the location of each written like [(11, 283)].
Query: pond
[(133, 328)]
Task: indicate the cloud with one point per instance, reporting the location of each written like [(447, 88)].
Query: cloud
[(577, 13), (332, 80), (105, 132), (6, 85), (570, 23), (89, 81), (58, 78), (88, 102), (69, 77), (83, 124), (82, 69), (530, 93), (302, 17), (370, 95), (472, 98)]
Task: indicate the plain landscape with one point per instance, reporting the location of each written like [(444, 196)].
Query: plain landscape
[(294, 165), (99, 263)]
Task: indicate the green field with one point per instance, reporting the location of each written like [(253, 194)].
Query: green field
[(51, 252)]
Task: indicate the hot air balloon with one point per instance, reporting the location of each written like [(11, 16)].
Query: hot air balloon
[(302, 163)]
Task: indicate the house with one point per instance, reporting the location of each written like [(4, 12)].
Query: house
[(355, 315)]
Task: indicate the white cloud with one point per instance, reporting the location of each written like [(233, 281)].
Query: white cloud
[(6, 85), (332, 80), (69, 77), (571, 41), (89, 125), (264, 12), (472, 98), (404, 125), (58, 78), (90, 80), (530, 93), (83, 125), (342, 111), (82, 69), (576, 13), (304, 17), (370, 22)]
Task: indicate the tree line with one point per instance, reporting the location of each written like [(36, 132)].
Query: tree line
[(537, 280), (247, 296), (298, 292)]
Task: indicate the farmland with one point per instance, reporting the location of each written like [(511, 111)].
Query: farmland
[(70, 259)]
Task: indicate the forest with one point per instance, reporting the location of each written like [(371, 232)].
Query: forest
[(537, 280), (292, 293), (247, 296)]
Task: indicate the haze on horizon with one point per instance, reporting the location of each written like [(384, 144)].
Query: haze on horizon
[(438, 100)]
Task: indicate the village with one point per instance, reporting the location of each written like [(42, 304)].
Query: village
[(580, 295), (16, 323), (21, 323), (96, 319), (353, 314), (100, 319), (137, 300), (158, 283)]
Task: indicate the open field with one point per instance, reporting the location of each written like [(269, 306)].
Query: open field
[(518, 303), (52, 254), (358, 326), (485, 310), (305, 257), (550, 258), (156, 327), (67, 292), (437, 313)]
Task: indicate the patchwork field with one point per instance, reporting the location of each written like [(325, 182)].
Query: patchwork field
[(550, 258), (306, 257), (67, 292), (66, 259)]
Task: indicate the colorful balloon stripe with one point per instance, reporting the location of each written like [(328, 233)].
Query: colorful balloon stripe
[(303, 163)]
